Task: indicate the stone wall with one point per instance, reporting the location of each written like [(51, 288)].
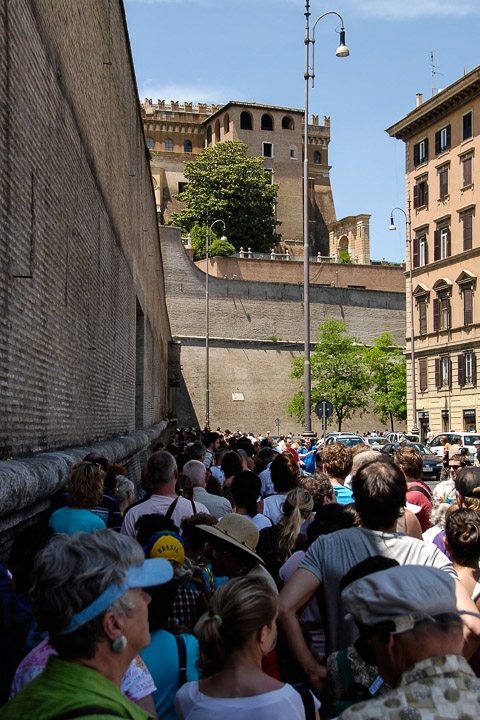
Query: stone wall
[(256, 328)]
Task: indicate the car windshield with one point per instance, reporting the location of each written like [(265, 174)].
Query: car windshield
[(349, 441)]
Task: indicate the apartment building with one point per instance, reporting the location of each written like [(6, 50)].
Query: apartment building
[(442, 145)]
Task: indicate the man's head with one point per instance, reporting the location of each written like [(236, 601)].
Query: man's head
[(307, 443), (197, 451), (467, 485), (211, 441), (162, 468), (337, 460), (408, 613), (231, 544), (195, 470), (379, 489), (410, 462), (456, 463)]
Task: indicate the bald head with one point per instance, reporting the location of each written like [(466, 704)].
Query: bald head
[(195, 470)]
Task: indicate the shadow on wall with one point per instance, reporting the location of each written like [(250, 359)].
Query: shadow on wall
[(183, 407)]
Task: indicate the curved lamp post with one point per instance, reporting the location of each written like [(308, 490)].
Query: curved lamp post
[(207, 364), (408, 227), (342, 51)]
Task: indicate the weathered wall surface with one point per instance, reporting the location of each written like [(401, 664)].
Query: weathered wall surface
[(256, 328), (84, 327)]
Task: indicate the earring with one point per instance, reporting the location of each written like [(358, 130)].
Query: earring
[(119, 644)]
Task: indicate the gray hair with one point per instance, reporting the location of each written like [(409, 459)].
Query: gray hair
[(124, 486), (161, 467), (69, 574), (195, 470)]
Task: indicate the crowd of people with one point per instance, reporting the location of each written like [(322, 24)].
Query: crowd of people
[(252, 577)]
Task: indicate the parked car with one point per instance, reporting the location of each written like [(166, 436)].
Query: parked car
[(375, 442), (348, 440), (432, 464), (468, 439), (394, 437)]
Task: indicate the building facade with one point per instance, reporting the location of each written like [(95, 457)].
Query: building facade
[(442, 143), (177, 133)]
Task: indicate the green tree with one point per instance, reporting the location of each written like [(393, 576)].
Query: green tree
[(232, 187), (339, 373), (387, 366)]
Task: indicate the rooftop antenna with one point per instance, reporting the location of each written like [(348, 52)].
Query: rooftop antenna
[(434, 71)]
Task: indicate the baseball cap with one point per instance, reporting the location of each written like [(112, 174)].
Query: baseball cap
[(153, 572), (401, 595)]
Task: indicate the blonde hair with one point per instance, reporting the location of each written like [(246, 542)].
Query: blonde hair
[(237, 611), (297, 505), (85, 485)]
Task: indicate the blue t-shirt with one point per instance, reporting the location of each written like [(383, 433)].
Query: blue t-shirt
[(343, 494), (161, 659), (310, 460), (71, 520)]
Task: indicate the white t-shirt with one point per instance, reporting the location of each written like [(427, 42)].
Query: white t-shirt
[(283, 704), (260, 521), (273, 507)]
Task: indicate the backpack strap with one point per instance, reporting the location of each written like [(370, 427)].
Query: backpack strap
[(345, 669), (420, 489), (182, 658), (194, 509), (307, 699), (85, 711), (170, 510)]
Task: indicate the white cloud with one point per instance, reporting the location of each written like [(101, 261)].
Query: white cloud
[(411, 9), (191, 93)]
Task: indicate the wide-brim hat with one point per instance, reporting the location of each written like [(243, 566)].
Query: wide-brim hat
[(238, 531)]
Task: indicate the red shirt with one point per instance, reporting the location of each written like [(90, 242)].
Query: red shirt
[(417, 498)]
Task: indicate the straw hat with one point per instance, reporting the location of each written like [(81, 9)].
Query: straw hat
[(238, 531)]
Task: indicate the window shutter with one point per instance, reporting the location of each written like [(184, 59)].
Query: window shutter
[(467, 306), (436, 314), (416, 154), (449, 135), (461, 370), (474, 369), (467, 126), (437, 142), (438, 377), (415, 257), (449, 244), (425, 193), (443, 178), (467, 232), (449, 373), (426, 251), (415, 196), (422, 311), (422, 371), (436, 245), (425, 142), (449, 314)]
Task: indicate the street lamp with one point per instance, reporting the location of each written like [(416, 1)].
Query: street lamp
[(408, 225), (207, 364), (342, 51)]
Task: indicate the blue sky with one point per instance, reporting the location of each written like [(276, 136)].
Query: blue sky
[(253, 50)]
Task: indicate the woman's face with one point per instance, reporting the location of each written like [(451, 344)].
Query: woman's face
[(136, 628)]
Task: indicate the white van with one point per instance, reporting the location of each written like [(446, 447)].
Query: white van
[(468, 439)]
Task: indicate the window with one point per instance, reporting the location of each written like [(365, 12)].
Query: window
[(269, 175), (182, 186), (217, 131), (443, 181), (187, 146), (420, 251), (267, 122), (467, 125), (420, 193), (467, 223), (441, 243), (442, 371), (423, 374), (467, 174), (469, 421), (293, 152), (442, 140), (245, 121), (467, 369), (420, 152), (226, 124), (317, 158), (441, 313), (168, 145), (287, 123), (422, 315), (267, 149), (445, 421), (150, 143), (467, 293)]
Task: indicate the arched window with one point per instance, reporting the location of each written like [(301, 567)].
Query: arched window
[(187, 146), (209, 134), (267, 122), (217, 131), (226, 124), (245, 121), (168, 145), (317, 158), (150, 143), (287, 123)]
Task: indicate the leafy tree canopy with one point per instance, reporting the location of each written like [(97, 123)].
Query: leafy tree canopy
[(339, 373), (387, 366), (232, 187)]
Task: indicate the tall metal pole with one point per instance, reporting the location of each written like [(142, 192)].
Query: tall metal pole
[(207, 336), (342, 51)]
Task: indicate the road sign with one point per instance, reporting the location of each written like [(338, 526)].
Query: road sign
[(323, 409)]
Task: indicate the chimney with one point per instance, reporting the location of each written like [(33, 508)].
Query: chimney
[(419, 99)]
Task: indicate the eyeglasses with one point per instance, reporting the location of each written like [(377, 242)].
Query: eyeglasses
[(455, 467)]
